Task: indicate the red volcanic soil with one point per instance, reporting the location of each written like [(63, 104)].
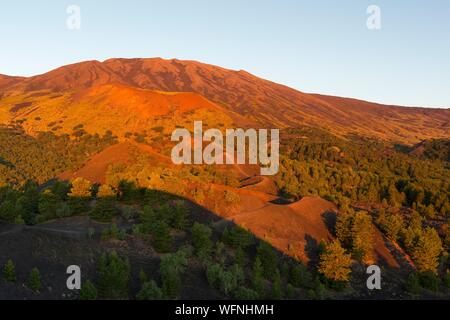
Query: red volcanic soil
[(295, 229), (96, 168), (6, 81), (146, 103), (247, 98), (72, 77), (261, 184)]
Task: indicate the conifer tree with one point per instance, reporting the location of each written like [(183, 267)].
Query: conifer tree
[(9, 271), (162, 240), (427, 251), (88, 291), (335, 263), (34, 280)]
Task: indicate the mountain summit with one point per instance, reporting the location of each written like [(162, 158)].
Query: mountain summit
[(127, 94)]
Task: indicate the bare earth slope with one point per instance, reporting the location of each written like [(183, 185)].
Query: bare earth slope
[(244, 97)]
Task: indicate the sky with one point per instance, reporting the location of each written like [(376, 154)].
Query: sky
[(314, 46)]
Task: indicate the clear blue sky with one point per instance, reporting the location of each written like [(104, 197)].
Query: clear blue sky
[(314, 46)]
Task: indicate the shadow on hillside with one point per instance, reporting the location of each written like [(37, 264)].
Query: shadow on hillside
[(131, 196)]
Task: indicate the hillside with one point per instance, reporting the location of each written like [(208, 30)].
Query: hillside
[(134, 87)]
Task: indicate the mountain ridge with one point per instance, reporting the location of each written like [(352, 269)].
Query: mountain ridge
[(242, 96)]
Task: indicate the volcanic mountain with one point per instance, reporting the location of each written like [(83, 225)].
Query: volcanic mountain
[(132, 94)]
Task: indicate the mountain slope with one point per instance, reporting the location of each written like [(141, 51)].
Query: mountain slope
[(247, 99)]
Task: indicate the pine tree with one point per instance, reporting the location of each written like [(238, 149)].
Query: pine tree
[(257, 277), (335, 263), (106, 191), (114, 275), (8, 211), (88, 291), (105, 210), (9, 271), (48, 204), (179, 216), (343, 228), (391, 224), (171, 268), (34, 280), (162, 240), (277, 291), (239, 257), (362, 234), (355, 231), (80, 193), (201, 239), (150, 291), (81, 188), (300, 276), (427, 251), (268, 259)]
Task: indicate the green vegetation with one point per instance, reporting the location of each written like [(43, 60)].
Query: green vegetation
[(114, 274), (335, 264), (41, 158), (88, 291), (9, 271), (34, 280), (361, 170)]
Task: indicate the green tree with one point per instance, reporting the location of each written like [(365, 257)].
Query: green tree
[(427, 251), (243, 293), (80, 193), (362, 236), (391, 224), (355, 231), (277, 290), (8, 211), (335, 263), (88, 291), (149, 219), (105, 210), (413, 283), (162, 240), (257, 277), (201, 239), (268, 259), (114, 275), (106, 191), (48, 204), (171, 269), (300, 276), (179, 216), (343, 228), (9, 271), (150, 291), (34, 280)]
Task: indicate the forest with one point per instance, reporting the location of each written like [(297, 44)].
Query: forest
[(373, 184)]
